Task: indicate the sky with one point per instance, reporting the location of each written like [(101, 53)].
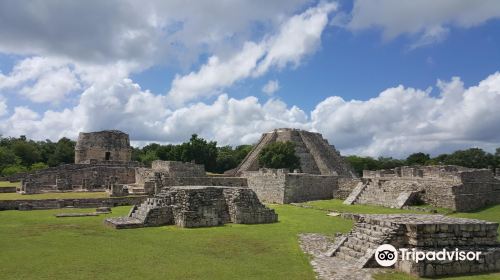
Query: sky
[(375, 77)]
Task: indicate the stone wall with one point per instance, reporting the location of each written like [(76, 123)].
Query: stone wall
[(27, 204), (8, 189), (178, 168), (77, 176), (280, 186), (102, 146), (454, 187)]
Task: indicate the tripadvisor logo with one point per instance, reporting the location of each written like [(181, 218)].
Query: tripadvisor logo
[(387, 255)]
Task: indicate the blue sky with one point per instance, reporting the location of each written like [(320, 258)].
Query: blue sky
[(374, 77)]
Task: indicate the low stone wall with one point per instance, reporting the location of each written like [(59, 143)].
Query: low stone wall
[(26, 204), (178, 169), (8, 189), (165, 181), (280, 186)]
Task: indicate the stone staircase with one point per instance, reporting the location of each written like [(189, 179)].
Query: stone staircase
[(251, 160), (371, 192), (326, 157), (358, 247)]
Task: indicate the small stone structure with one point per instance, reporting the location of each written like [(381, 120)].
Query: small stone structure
[(164, 174), (197, 206), (422, 233), (454, 187), (107, 145)]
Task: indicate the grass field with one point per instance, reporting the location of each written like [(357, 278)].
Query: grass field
[(36, 245), (9, 184)]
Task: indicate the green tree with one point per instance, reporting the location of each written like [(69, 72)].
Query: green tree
[(200, 151), (148, 157), (279, 155), (362, 163), (417, 159), (64, 152), (226, 159), (26, 151), (7, 157), (473, 158)]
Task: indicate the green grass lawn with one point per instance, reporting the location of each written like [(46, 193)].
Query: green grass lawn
[(9, 184), (36, 245), (13, 196), (338, 206)]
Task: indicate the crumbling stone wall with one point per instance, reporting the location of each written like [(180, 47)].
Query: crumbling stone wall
[(281, 186), (345, 187), (104, 145), (454, 187), (77, 176)]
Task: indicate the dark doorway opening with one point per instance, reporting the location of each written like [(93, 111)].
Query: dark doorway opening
[(108, 155)]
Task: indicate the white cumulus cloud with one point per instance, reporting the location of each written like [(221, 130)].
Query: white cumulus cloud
[(297, 36), (429, 21)]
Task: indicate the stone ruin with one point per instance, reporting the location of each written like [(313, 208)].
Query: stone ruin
[(107, 145), (101, 159), (164, 174), (321, 166), (454, 187), (423, 233), (197, 206)]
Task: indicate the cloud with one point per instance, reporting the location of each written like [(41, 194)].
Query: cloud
[(403, 120), (144, 33), (427, 20), (297, 37), (3, 106), (397, 122), (271, 87), (41, 79)]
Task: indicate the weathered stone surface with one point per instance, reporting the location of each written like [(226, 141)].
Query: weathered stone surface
[(281, 186), (199, 206), (458, 188), (107, 145), (423, 233)]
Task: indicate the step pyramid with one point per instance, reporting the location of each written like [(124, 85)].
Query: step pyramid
[(316, 155)]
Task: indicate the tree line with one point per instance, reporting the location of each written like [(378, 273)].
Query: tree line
[(22, 154), (473, 158)]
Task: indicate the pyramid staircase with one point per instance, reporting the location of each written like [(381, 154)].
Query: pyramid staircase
[(359, 245)]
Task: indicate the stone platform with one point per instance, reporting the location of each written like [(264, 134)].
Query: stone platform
[(197, 206), (422, 233)]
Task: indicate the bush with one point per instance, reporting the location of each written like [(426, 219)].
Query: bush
[(279, 155), (38, 166), (13, 169)]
